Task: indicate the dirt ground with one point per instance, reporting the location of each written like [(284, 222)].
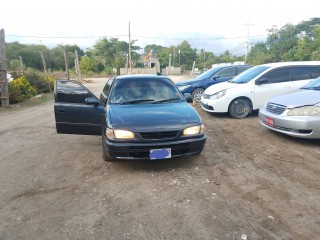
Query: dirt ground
[(248, 183)]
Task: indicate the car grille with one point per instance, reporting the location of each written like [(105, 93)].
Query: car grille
[(301, 131), (206, 96), (207, 106), (275, 108), (159, 135)]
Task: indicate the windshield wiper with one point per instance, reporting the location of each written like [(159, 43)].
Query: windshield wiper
[(138, 101), (167, 100)]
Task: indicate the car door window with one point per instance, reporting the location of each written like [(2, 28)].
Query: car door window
[(303, 73), (227, 72), (107, 87), (279, 75), (71, 92)]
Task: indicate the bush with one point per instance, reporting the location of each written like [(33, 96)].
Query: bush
[(38, 81), (20, 89)]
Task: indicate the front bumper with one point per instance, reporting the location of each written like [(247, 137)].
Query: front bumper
[(220, 105), (141, 151), (296, 126)]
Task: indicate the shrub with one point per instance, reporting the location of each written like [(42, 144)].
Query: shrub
[(38, 80), (20, 89)]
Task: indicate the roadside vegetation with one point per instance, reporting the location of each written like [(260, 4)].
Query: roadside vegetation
[(299, 42)]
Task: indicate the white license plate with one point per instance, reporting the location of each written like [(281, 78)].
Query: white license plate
[(160, 153)]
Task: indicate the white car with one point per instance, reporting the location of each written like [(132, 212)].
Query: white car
[(252, 88), (296, 114)]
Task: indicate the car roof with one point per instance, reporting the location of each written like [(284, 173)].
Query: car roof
[(297, 63)]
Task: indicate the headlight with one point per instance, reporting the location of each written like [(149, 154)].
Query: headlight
[(199, 129), (119, 134), (181, 88), (305, 111), (218, 94)]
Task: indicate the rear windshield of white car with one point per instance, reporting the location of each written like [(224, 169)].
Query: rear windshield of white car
[(249, 74)]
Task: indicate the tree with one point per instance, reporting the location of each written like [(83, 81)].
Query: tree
[(112, 52), (187, 54), (259, 54), (88, 64)]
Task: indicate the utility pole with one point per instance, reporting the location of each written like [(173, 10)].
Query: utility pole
[(204, 55), (248, 40), (130, 67), (4, 94)]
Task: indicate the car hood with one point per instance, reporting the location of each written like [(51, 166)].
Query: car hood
[(296, 99), (152, 117), (219, 87), (187, 82)]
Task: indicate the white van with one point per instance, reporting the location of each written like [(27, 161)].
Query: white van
[(252, 88)]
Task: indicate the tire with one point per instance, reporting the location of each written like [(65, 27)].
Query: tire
[(196, 94), (239, 108)]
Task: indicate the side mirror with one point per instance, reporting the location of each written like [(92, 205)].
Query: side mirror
[(215, 77), (92, 101), (188, 97), (261, 81)]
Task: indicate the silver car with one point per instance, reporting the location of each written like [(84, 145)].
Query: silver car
[(296, 114)]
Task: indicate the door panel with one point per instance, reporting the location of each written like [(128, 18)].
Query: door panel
[(72, 114), (278, 82)]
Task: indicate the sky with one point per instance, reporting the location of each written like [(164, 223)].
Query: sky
[(216, 26)]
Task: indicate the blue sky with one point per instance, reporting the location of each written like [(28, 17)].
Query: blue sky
[(215, 26)]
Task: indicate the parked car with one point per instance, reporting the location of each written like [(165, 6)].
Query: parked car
[(212, 76), (251, 89), (141, 117), (296, 114)]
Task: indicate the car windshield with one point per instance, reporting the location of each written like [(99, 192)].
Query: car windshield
[(249, 74), (144, 90), (209, 73), (313, 85)]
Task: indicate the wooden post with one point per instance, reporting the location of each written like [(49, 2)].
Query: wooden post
[(45, 69), (194, 62), (66, 64), (21, 66), (3, 72), (77, 66)]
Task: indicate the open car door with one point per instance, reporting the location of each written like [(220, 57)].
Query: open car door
[(76, 109)]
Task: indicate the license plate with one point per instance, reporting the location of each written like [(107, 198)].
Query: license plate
[(160, 153), (269, 121)]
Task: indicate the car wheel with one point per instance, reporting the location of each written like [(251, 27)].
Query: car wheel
[(196, 94), (239, 108)]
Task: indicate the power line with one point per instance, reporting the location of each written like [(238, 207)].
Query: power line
[(126, 35)]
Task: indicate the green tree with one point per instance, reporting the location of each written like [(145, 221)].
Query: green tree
[(259, 54), (113, 53), (89, 64), (187, 54)]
